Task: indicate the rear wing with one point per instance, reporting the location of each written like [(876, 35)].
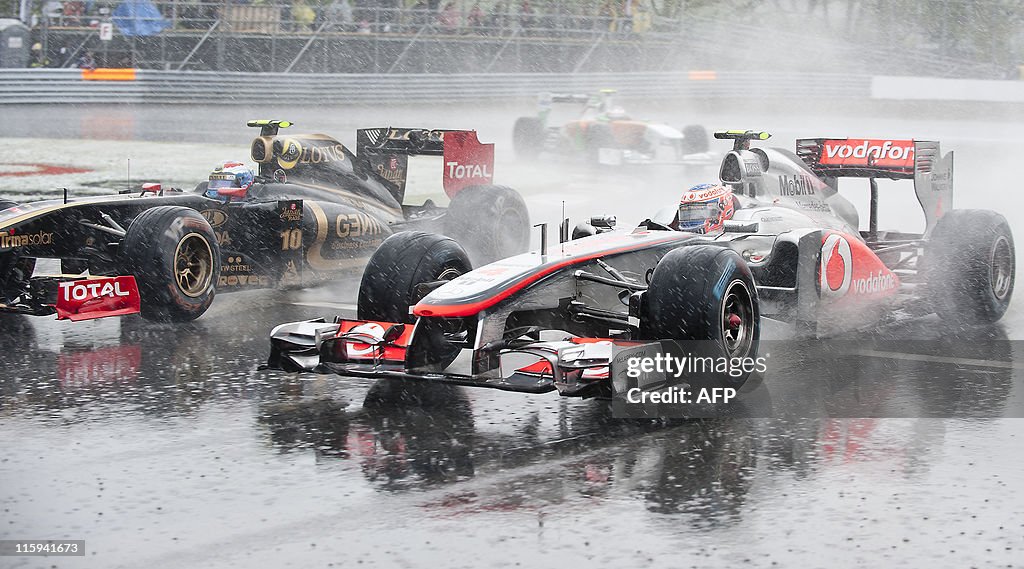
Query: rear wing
[(866, 158), (917, 160), (384, 152), (564, 98)]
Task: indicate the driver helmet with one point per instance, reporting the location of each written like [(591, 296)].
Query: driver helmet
[(230, 179), (616, 113), (705, 207)]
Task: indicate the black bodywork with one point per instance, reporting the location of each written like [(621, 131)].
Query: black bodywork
[(316, 210)]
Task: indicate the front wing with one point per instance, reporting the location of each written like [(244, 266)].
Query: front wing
[(377, 350)]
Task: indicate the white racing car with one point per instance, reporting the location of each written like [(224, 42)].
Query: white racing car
[(567, 317)]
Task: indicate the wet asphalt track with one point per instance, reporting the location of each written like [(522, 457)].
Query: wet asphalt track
[(163, 446)]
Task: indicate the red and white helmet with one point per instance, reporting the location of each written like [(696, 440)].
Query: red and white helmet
[(705, 207)]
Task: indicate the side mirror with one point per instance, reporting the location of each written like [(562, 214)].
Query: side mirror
[(739, 226), (233, 193), (151, 187), (583, 230)]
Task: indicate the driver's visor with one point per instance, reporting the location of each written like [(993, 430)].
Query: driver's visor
[(690, 213), (219, 182)]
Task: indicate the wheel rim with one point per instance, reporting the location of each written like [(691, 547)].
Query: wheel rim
[(1001, 276), (448, 274), (193, 265), (737, 319)]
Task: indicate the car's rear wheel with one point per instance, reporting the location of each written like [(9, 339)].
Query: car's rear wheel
[(695, 139), (391, 281), (528, 137), (173, 254), (490, 222), (705, 294), (970, 266)]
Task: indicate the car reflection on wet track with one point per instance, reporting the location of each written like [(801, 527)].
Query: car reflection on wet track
[(180, 411)]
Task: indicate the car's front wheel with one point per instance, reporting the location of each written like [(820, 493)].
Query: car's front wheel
[(705, 294), (393, 279), (172, 252)]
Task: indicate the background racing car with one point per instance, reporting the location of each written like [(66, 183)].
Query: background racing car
[(567, 318), (314, 211), (603, 133)]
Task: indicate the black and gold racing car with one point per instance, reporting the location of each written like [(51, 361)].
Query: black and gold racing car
[(314, 211)]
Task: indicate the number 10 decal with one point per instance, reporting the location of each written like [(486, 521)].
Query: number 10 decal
[(291, 239)]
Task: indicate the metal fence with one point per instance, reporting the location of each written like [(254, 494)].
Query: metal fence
[(38, 86), (461, 37)]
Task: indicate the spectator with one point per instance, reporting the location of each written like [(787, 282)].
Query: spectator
[(364, 27), (607, 16), (420, 14), (73, 12), (339, 16), (448, 19), (499, 16), (52, 11), (527, 16), (87, 61), (39, 58), (475, 19), (641, 18), (303, 16), (625, 23)]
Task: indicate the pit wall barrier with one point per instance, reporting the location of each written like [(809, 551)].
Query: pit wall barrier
[(938, 89), (77, 86)]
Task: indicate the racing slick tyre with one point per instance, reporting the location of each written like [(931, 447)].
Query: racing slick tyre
[(705, 294), (173, 253), (596, 137), (528, 138), (970, 266), (391, 280), (490, 222), (695, 139)]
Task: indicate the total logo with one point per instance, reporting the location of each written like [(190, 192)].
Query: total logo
[(836, 266), (459, 171), (85, 290)]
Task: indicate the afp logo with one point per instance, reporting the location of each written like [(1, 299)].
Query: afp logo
[(836, 270)]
